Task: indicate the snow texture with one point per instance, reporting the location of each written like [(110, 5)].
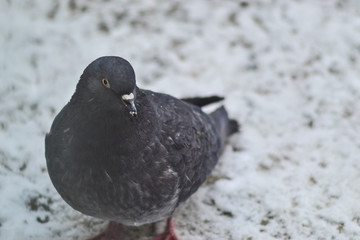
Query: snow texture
[(290, 72)]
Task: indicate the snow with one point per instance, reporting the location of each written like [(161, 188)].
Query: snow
[(290, 71)]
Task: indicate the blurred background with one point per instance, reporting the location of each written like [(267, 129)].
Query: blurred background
[(290, 73)]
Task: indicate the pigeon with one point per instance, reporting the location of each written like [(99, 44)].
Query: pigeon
[(129, 155)]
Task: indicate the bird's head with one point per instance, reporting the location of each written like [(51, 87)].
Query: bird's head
[(107, 79)]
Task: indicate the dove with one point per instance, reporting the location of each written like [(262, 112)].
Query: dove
[(129, 155)]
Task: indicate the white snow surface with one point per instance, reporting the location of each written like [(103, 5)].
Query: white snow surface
[(290, 72)]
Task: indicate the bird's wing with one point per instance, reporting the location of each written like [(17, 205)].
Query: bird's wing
[(191, 140)]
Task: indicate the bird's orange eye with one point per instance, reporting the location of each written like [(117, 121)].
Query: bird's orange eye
[(105, 82)]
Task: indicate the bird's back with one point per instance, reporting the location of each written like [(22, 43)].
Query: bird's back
[(194, 140)]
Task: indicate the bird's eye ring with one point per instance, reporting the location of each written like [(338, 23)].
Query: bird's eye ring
[(105, 82)]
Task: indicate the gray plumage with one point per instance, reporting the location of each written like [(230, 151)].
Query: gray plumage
[(131, 168)]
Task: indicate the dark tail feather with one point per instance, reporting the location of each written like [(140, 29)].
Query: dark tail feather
[(234, 127), (225, 126), (202, 101)]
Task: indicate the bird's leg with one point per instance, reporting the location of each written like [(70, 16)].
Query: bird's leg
[(112, 232), (169, 233)]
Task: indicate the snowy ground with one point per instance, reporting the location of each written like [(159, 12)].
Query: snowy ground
[(290, 72)]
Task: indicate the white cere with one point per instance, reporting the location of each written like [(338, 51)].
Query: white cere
[(128, 96)]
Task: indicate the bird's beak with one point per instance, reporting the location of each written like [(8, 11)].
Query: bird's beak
[(132, 108), (129, 101)]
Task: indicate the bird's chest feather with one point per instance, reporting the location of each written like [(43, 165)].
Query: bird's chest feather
[(118, 163), (111, 135)]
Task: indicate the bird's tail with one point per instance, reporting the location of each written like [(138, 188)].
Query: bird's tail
[(224, 125), (203, 101)]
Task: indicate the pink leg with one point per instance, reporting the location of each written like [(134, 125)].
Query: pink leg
[(112, 232), (169, 233)]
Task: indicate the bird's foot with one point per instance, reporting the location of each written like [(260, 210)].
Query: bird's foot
[(112, 232), (169, 233)]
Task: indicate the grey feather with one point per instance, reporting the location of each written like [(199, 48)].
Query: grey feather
[(109, 164)]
